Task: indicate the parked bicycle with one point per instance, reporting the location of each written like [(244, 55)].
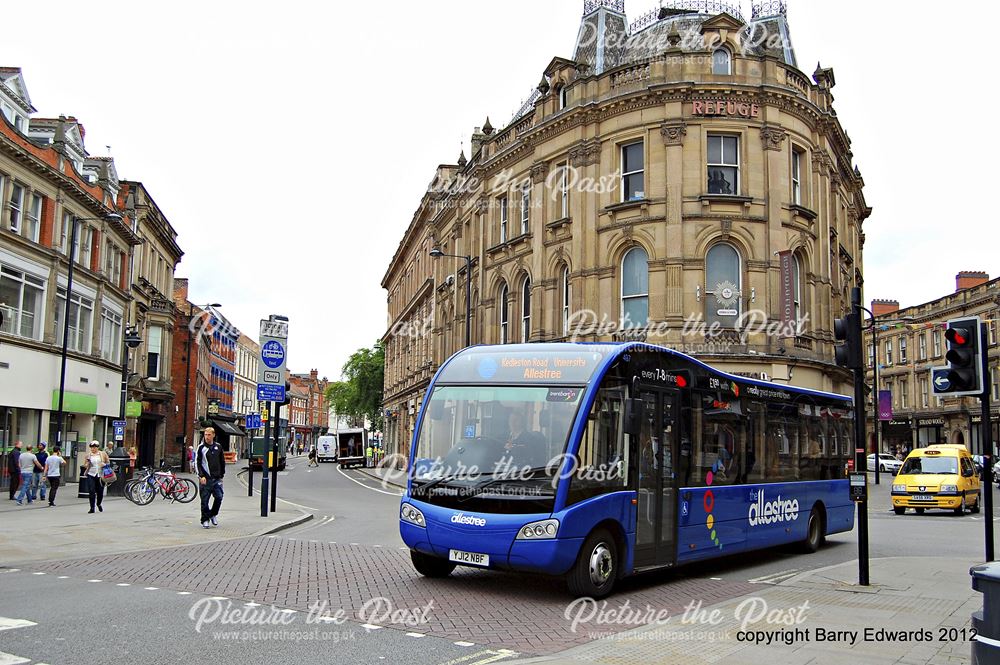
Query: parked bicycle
[(143, 490)]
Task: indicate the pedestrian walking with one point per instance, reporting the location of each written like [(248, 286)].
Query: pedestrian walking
[(96, 459), (211, 469), (53, 473), (14, 469), (312, 456), (38, 477), (28, 463)]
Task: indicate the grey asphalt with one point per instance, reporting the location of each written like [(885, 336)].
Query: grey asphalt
[(82, 623), (352, 507)]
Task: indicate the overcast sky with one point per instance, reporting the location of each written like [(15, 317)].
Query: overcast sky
[(289, 143)]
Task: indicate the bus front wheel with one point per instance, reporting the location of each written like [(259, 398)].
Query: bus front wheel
[(431, 566), (596, 566), (814, 532)]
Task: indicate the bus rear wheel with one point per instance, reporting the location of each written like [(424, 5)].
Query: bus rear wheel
[(431, 566), (814, 533), (596, 566)]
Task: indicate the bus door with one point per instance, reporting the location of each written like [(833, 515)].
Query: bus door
[(655, 453)]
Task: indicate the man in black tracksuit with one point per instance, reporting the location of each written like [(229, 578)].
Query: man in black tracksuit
[(211, 467)]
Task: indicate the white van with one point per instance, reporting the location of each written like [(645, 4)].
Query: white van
[(326, 448)]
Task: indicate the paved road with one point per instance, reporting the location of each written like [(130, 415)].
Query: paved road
[(350, 556)]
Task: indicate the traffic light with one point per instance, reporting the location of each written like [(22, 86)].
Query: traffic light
[(848, 330), (963, 375), (288, 395)]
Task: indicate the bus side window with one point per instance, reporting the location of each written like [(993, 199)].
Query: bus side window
[(602, 458)]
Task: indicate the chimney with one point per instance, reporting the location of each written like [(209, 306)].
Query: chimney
[(970, 278), (883, 307)]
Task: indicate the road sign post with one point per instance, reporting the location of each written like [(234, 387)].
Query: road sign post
[(271, 389)]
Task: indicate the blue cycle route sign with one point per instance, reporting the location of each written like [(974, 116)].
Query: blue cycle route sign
[(273, 354)]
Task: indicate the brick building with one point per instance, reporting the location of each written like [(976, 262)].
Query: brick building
[(908, 342), (191, 373), (48, 181), (317, 417)]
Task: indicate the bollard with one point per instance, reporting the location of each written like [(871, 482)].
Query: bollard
[(986, 622)]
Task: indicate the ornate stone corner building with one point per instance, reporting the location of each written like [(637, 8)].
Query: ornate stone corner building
[(679, 181)]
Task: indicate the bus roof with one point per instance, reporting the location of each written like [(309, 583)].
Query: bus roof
[(566, 363)]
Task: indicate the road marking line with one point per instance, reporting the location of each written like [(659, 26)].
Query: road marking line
[(13, 570), (493, 656), (353, 543), (370, 626), (376, 546), (217, 598), (38, 573), (63, 577), (717, 579), (367, 487), (123, 584), (11, 659), (415, 635), (7, 624), (151, 588), (465, 644), (252, 604), (774, 578), (183, 593), (286, 611), (93, 580)]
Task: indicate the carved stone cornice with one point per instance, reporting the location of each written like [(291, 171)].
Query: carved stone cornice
[(585, 153), (539, 171), (673, 133), (772, 137)]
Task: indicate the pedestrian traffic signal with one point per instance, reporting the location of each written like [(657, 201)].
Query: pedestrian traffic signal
[(848, 330), (963, 375)]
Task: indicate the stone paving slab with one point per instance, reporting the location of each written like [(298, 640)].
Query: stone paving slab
[(923, 595), (37, 532)]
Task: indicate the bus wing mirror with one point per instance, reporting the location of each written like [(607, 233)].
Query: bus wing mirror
[(633, 416)]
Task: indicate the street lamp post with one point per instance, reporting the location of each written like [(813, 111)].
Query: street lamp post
[(69, 298), (436, 253), (187, 384)]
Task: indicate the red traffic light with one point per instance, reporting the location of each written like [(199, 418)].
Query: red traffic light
[(957, 336)]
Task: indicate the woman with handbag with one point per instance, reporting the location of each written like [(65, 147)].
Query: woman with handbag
[(96, 460)]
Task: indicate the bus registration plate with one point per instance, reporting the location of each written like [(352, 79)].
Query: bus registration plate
[(469, 557)]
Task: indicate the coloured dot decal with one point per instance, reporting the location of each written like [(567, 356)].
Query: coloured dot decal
[(709, 503)]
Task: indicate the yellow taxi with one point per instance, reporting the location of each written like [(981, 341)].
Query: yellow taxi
[(938, 476)]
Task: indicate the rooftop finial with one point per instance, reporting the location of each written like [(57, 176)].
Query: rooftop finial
[(591, 6), (487, 127)]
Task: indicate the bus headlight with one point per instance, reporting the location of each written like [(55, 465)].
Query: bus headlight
[(546, 529), (408, 513), (899, 488)]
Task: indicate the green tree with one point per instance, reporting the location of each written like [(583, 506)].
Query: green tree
[(359, 395)]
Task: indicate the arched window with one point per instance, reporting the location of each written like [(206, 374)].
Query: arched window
[(723, 286), (564, 288), (526, 310), (635, 288), (722, 62), (504, 311), (562, 97)]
